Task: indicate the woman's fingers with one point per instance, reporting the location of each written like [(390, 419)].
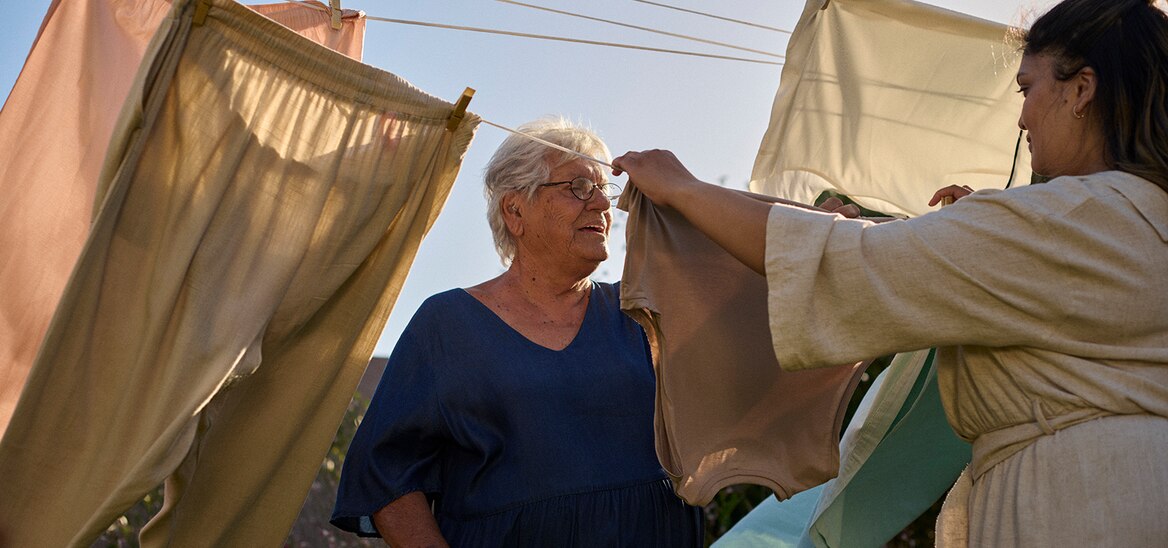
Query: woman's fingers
[(836, 205), (953, 192), (656, 173)]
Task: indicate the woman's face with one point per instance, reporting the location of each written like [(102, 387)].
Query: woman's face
[(565, 229), (1056, 135)]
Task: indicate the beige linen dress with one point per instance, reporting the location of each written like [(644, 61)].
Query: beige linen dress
[(1049, 305)]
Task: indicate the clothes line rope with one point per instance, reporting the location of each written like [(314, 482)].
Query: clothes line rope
[(712, 16), (510, 130), (546, 143), (553, 38), (646, 29), (572, 40)]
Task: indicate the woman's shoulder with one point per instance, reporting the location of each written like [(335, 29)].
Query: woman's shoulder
[(1070, 192), (451, 298), (609, 291), (1062, 194), (443, 306), (607, 294)]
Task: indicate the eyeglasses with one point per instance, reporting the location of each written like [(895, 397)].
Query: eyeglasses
[(583, 188)]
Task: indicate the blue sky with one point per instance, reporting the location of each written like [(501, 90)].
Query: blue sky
[(712, 113)]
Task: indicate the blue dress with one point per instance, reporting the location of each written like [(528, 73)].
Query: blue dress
[(516, 444)]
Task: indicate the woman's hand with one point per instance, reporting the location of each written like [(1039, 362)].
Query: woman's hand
[(658, 174), (952, 192), (836, 205)]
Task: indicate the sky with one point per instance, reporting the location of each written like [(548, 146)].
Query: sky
[(711, 112)]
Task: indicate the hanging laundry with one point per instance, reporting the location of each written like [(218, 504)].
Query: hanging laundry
[(316, 25), (889, 100), (263, 200), (898, 456), (726, 413), (54, 129)]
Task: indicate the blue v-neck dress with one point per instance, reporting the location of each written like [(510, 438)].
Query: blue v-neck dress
[(517, 444)]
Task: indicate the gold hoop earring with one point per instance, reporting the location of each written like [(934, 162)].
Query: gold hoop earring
[(1078, 115)]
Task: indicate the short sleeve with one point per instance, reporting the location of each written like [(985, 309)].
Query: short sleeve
[(398, 446)]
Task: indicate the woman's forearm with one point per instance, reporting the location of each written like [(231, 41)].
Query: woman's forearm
[(731, 219), (408, 523)]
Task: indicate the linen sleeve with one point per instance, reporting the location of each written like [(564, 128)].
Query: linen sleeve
[(398, 446), (983, 271)]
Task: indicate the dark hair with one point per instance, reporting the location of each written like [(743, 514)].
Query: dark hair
[(1126, 43)]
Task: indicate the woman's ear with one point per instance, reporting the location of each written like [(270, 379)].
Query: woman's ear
[(1083, 89), (513, 214)]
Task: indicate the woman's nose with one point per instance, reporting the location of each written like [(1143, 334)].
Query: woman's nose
[(599, 201)]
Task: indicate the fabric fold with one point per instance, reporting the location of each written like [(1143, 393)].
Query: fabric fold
[(263, 200), (888, 100), (898, 456), (725, 412), (54, 129)]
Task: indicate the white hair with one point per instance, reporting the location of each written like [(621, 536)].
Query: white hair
[(520, 165)]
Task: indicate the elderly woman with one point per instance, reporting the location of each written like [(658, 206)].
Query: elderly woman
[(519, 412), (1049, 302)]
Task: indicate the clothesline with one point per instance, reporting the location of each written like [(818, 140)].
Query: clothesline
[(712, 16), (573, 40), (646, 29), (315, 5), (547, 143)]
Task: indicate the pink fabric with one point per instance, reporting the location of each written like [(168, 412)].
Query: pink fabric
[(54, 130), (316, 25)]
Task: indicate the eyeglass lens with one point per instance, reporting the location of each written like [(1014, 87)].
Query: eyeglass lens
[(583, 188)]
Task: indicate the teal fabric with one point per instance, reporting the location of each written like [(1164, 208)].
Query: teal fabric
[(773, 523), (898, 456)]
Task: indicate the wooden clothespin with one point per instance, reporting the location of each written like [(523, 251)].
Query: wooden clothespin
[(459, 111), (201, 10), (335, 8)]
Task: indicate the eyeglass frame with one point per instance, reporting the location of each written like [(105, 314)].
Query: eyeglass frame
[(604, 188)]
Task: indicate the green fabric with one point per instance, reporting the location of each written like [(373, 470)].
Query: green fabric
[(773, 523), (897, 458)]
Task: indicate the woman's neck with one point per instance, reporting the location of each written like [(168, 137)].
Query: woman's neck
[(546, 286), (548, 310)]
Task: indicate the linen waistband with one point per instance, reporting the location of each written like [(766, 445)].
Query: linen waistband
[(996, 446), (321, 66)]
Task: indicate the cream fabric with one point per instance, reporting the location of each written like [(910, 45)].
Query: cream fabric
[(265, 199), (1049, 306), (53, 133), (888, 100), (725, 412)]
